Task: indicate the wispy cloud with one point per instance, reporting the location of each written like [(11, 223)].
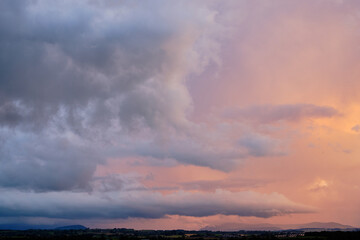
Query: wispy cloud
[(286, 112)]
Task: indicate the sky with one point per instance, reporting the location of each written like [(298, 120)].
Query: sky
[(179, 114)]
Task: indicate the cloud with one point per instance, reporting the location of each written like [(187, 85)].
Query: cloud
[(145, 205), (356, 128), (212, 185), (116, 182), (218, 147), (190, 151), (39, 163), (260, 145), (83, 82), (319, 185), (286, 112), (107, 75), (125, 61), (9, 114)]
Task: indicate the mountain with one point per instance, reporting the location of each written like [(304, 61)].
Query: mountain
[(231, 227), (24, 226), (72, 227), (326, 225), (316, 226), (320, 226)]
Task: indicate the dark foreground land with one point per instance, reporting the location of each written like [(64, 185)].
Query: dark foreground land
[(113, 234)]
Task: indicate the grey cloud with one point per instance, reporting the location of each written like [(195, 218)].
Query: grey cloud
[(77, 78), (212, 147), (261, 145), (53, 59), (9, 114), (190, 151), (93, 68), (38, 163), (287, 112), (228, 184), (146, 205), (109, 80), (144, 105), (116, 182)]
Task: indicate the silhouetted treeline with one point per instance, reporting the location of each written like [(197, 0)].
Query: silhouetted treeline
[(130, 234)]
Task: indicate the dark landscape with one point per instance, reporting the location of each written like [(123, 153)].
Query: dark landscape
[(314, 230), (123, 233)]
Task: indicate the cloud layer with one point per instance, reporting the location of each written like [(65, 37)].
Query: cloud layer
[(146, 205)]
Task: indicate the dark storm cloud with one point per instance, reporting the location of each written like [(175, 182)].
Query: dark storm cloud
[(109, 78), (76, 76), (69, 55), (100, 72), (105, 78), (31, 162), (84, 81), (146, 205), (9, 115)]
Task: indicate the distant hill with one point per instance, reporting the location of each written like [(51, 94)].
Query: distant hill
[(72, 227), (313, 226), (324, 225), (21, 226), (231, 227)]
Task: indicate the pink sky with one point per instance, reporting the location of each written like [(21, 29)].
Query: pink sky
[(283, 54)]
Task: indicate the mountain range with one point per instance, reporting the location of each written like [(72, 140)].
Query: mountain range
[(20, 226), (313, 226)]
